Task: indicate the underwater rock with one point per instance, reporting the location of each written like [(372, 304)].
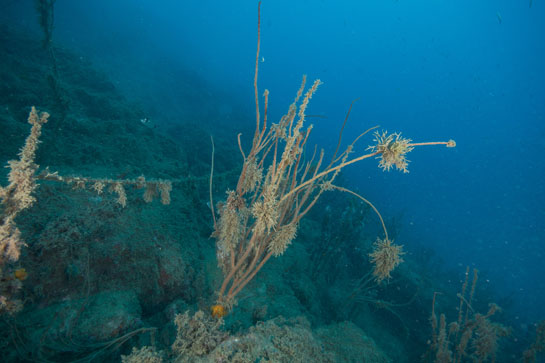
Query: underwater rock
[(293, 340), (276, 340), (98, 318), (350, 344), (109, 314)]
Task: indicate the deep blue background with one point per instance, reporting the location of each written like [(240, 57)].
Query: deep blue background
[(433, 70)]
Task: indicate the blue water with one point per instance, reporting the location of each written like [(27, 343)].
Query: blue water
[(433, 70)]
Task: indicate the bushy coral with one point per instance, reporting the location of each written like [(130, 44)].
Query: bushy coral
[(143, 355), (392, 150), (196, 336), (530, 354), (277, 340), (472, 337), (152, 188), (15, 197), (293, 340), (18, 195), (386, 256)]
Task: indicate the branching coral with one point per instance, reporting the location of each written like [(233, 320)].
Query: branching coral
[(530, 354), (473, 336), (279, 185), (16, 197), (152, 188)]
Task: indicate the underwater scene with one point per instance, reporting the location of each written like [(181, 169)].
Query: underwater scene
[(272, 181)]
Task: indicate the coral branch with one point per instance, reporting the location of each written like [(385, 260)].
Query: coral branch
[(276, 188), (18, 195)]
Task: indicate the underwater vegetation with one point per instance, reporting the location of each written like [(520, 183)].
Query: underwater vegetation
[(92, 270)]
